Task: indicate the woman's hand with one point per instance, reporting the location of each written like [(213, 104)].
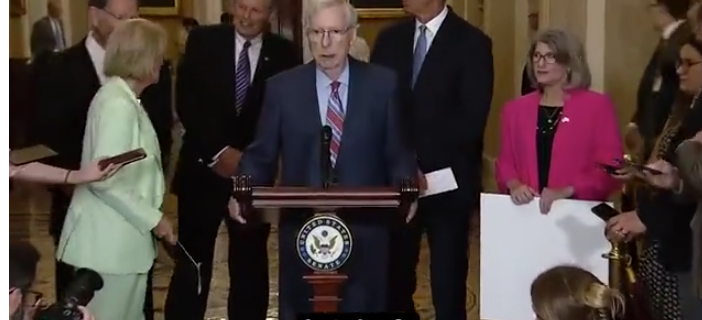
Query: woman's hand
[(549, 196), (92, 172), (624, 227), (668, 179), (522, 194), (626, 174), (164, 231), (14, 170), (86, 314)]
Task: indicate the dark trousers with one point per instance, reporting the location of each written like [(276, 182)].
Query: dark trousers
[(365, 289), (445, 219), (64, 272), (199, 217)]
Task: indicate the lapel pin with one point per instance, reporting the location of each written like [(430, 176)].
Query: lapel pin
[(265, 58)]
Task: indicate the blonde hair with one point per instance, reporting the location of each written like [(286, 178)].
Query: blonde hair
[(571, 293), (135, 49), (569, 52)]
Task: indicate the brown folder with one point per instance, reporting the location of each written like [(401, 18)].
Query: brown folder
[(123, 158)]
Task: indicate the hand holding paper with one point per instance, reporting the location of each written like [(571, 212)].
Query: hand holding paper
[(439, 181)]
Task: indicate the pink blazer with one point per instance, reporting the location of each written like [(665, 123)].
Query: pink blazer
[(587, 134)]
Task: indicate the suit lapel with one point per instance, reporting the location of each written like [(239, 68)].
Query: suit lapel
[(92, 79), (355, 100), (309, 94), (405, 58), (263, 64), (528, 118), (229, 49), (439, 46)]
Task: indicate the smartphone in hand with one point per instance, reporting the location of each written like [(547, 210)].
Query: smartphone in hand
[(123, 158), (604, 211)]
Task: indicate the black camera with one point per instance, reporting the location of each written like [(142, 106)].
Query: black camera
[(78, 293)]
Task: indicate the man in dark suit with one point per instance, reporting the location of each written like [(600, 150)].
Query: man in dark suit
[(219, 90), (47, 32), (367, 149), (445, 69), (659, 84), (62, 105)]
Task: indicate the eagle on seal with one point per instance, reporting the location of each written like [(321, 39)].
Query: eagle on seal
[(322, 246)]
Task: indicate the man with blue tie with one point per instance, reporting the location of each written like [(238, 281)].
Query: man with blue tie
[(219, 91), (445, 70), (359, 102)]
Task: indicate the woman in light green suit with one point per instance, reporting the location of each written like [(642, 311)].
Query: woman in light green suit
[(111, 224)]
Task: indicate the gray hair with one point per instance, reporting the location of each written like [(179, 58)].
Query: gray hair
[(314, 6), (569, 52)]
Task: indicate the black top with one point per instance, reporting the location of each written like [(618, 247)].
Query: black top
[(667, 215), (547, 123)]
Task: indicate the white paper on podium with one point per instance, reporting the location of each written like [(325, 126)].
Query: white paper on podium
[(517, 243)]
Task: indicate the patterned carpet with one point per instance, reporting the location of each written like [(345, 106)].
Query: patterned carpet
[(29, 219)]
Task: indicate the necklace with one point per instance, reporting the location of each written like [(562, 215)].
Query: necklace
[(552, 119)]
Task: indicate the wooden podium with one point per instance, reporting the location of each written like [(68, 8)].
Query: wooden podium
[(325, 278)]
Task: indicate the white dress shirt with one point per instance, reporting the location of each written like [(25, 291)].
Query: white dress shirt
[(432, 28), (254, 52), (97, 55)]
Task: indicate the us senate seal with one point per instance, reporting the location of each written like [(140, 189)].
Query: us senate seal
[(324, 243)]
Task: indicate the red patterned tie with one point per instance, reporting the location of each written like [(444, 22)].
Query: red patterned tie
[(335, 119)]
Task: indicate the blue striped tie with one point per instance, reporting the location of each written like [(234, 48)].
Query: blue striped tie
[(420, 51), (243, 76)]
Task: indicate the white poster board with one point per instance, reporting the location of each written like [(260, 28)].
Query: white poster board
[(517, 243)]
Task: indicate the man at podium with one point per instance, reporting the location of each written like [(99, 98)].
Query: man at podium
[(353, 104)]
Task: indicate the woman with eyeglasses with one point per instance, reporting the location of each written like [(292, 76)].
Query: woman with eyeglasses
[(552, 140), (662, 217)]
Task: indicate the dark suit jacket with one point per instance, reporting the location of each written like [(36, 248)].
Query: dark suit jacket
[(448, 107), (652, 111), (64, 97), (205, 100), (373, 151), (43, 38)]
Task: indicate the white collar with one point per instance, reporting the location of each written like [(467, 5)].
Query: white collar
[(434, 24), (240, 40), (670, 29), (94, 48)]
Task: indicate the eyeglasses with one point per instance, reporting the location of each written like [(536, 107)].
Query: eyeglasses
[(549, 58), (685, 65), (116, 16), (333, 34)]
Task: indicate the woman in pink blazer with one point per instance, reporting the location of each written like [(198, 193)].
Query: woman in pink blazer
[(554, 139)]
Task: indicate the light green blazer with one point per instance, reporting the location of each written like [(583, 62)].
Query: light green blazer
[(109, 223)]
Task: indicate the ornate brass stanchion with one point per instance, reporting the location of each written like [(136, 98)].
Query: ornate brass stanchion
[(618, 261)]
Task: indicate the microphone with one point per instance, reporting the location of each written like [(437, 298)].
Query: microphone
[(325, 162)]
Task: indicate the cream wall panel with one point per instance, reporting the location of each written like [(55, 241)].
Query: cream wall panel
[(499, 23), (629, 45)]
